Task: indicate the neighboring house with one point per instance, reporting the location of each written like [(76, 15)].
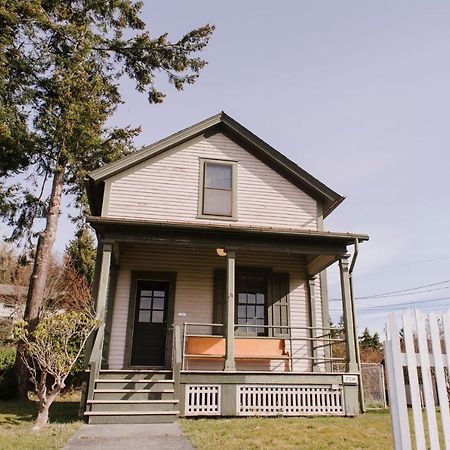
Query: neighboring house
[(12, 301), (210, 280)]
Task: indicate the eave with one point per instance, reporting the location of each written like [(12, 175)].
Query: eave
[(321, 248)]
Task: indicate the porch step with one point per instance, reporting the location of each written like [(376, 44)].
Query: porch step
[(135, 375), (133, 405), (106, 417), (133, 396), (155, 385)]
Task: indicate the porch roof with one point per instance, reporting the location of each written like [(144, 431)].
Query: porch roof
[(321, 247)]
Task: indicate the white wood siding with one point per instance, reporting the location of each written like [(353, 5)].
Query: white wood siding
[(194, 289), (167, 188)]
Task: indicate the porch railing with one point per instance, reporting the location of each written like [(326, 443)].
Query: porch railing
[(321, 338)]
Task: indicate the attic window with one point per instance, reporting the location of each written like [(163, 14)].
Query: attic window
[(218, 195)]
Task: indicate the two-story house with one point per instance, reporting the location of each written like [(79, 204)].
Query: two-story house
[(210, 282)]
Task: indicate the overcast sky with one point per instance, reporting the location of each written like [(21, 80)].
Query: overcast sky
[(355, 92)]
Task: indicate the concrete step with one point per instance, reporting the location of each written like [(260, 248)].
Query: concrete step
[(106, 417), (114, 383), (131, 394), (135, 374)]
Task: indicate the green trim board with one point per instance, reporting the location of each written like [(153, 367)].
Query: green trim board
[(150, 276), (191, 377), (218, 123)]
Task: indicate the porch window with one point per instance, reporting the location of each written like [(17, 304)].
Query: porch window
[(251, 304), (218, 192), (262, 298)]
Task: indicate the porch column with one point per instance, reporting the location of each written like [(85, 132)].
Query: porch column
[(100, 296), (352, 363), (313, 322), (103, 280), (231, 281)]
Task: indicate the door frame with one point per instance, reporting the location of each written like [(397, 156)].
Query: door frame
[(136, 276)]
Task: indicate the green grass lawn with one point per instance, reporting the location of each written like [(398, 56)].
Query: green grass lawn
[(17, 419), (369, 431)]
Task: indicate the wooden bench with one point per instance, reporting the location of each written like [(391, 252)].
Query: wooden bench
[(204, 347)]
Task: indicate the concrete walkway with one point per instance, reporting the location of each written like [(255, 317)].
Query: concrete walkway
[(164, 436)]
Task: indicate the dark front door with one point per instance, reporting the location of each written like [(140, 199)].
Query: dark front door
[(150, 323)]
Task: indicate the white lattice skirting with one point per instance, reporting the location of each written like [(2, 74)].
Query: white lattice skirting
[(277, 400), (202, 400)]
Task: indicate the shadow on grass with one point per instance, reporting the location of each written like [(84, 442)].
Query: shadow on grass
[(14, 412)]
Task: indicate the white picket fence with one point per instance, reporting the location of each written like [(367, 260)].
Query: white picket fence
[(412, 350)]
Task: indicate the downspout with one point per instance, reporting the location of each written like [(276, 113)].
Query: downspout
[(358, 356)]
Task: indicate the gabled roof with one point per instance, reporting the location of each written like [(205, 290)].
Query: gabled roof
[(225, 124)]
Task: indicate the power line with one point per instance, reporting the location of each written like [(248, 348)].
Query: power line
[(395, 305), (411, 263), (404, 294), (402, 291)]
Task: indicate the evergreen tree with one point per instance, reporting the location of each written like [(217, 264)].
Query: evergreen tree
[(81, 252), (61, 63), (376, 343), (367, 340)]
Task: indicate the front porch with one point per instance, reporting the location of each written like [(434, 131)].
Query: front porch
[(239, 319)]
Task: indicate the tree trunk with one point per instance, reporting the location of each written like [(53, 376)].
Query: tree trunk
[(42, 417), (41, 266), (44, 406)]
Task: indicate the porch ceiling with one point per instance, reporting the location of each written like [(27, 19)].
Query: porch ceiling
[(324, 247)]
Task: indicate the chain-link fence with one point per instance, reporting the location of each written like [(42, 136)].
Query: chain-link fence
[(372, 375)]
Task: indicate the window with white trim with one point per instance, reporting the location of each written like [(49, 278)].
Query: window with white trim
[(218, 189)]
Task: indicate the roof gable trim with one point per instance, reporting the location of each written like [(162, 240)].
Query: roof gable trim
[(249, 141)]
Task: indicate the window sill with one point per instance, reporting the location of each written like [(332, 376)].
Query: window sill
[(212, 217)]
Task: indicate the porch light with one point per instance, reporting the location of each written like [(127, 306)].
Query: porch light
[(221, 251)]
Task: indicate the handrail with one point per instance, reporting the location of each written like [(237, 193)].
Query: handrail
[(95, 360), (321, 341), (177, 358), (96, 348)]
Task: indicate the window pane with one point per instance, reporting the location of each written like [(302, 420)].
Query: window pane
[(144, 316), (158, 303), (260, 299), (260, 312), (146, 293), (218, 176), (217, 202), (251, 307), (159, 293), (145, 303), (157, 316)]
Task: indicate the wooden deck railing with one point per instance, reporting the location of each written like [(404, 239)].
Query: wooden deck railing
[(198, 346)]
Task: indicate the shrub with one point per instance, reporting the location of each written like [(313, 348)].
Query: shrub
[(8, 387), (50, 352)]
